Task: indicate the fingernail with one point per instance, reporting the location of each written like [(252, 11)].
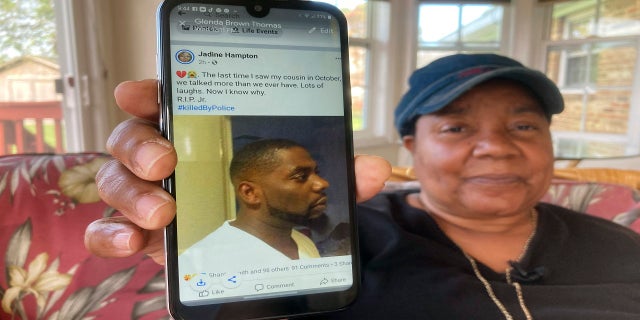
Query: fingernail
[(147, 206), (148, 154), (121, 240)]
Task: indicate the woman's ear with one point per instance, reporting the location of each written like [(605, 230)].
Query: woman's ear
[(409, 142)]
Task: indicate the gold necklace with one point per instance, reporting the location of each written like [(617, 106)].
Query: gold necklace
[(516, 285)]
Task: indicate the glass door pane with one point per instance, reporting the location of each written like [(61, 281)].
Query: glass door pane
[(30, 98)]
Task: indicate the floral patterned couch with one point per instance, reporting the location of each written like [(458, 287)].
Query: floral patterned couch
[(615, 202), (46, 202)]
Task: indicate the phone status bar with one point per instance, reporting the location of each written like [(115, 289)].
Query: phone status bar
[(232, 12), (205, 9)]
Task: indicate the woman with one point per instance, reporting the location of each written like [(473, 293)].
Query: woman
[(474, 242)]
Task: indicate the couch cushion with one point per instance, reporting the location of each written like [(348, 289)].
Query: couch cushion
[(46, 202), (610, 201)]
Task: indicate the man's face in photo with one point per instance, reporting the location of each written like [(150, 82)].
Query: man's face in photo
[(294, 191)]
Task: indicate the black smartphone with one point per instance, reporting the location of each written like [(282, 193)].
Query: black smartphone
[(255, 97)]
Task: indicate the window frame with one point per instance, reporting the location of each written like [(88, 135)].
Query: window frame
[(82, 37), (385, 59), (459, 44)]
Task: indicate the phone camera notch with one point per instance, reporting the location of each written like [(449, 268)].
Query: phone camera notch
[(258, 10)]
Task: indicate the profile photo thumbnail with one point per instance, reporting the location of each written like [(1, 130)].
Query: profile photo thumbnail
[(184, 56)]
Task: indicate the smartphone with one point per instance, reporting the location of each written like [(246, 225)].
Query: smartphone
[(255, 97)]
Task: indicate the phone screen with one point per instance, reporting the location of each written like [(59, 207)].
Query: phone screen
[(256, 102)]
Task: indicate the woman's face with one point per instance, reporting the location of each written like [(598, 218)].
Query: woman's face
[(487, 153)]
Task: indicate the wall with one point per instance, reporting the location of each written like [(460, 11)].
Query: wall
[(134, 40), (134, 44), (207, 203)]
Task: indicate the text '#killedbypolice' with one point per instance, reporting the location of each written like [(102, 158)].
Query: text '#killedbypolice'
[(205, 107)]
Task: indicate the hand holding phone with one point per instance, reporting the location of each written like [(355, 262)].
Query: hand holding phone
[(255, 98)]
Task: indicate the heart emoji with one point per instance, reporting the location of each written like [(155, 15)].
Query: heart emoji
[(181, 73)]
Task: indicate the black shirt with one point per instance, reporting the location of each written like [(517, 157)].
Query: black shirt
[(577, 267)]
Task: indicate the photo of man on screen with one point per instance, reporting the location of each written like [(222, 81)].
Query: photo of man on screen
[(278, 188)]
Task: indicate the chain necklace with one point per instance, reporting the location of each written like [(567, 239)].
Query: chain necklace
[(516, 285)]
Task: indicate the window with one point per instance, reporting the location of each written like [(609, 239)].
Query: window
[(592, 55), (54, 69), (590, 49), (383, 39), (358, 17), (449, 28), (30, 105), (372, 79)]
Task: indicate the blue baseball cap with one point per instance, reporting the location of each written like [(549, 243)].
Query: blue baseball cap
[(436, 85)]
